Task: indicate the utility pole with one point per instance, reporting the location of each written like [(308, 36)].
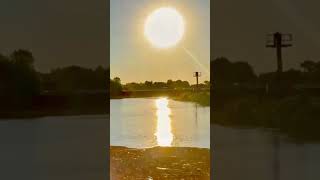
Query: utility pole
[(278, 41), (197, 75)]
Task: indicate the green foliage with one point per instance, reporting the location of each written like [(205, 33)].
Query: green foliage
[(202, 98), (169, 85), (115, 87)]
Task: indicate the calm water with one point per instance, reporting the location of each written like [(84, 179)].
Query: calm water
[(148, 122), (262, 155), (50, 148)]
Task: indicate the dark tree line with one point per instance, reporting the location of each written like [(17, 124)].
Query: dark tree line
[(74, 79), (20, 83), (225, 72), (116, 87), (170, 84), (287, 101)]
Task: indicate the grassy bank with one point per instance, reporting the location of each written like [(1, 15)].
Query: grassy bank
[(202, 98), (159, 163), (297, 116)]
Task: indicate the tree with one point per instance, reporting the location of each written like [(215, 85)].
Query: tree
[(221, 70), (22, 57), (117, 80), (226, 72), (242, 72), (170, 83), (148, 84), (207, 84), (308, 66), (19, 80), (26, 79), (115, 86)]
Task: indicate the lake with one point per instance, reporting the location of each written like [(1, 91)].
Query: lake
[(74, 147), (61, 147), (149, 122), (262, 154)]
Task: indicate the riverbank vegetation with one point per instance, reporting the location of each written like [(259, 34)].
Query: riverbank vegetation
[(202, 98), (177, 90), (296, 116), (25, 92), (288, 103)]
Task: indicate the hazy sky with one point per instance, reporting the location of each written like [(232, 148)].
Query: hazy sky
[(58, 32), (133, 58), (240, 28)]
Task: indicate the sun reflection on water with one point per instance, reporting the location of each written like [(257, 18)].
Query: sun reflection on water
[(163, 134)]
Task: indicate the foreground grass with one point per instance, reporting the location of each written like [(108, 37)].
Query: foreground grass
[(159, 163)]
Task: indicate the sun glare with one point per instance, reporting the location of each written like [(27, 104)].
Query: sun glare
[(164, 27), (164, 135)]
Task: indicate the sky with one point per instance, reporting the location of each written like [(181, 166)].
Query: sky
[(75, 32), (239, 31), (58, 32), (134, 59)]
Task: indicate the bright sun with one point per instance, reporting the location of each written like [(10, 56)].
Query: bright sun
[(164, 27)]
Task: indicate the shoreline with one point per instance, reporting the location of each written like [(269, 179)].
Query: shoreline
[(20, 115), (202, 99), (155, 147), (57, 105), (81, 106), (159, 162), (293, 116)]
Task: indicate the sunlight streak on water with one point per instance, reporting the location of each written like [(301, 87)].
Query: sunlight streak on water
[(163, 132)]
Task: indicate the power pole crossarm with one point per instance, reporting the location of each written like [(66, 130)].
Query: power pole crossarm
[(279, 41), (197, 75)]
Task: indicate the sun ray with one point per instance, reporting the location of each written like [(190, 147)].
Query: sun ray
[(196, 61)]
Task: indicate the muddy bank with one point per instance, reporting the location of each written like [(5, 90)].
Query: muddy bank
[(159, 163)]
